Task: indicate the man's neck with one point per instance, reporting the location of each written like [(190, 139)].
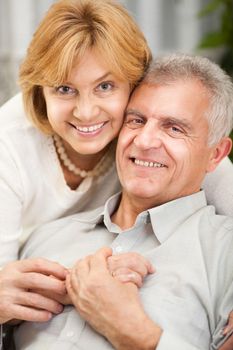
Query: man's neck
[(127, 212)]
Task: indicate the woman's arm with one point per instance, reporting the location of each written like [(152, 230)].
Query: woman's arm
[(11, 204), (127, 267), (228, 345), (18, 282)]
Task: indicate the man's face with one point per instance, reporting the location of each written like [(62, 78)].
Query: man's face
[(162, 151)]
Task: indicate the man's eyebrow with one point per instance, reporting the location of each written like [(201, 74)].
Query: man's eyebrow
[(134, 112), (165, 119), (179, 121)]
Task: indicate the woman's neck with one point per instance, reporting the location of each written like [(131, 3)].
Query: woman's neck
[(80, 165), (84, 161)]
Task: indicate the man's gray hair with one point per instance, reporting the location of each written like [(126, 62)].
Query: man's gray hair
[(170, 68)]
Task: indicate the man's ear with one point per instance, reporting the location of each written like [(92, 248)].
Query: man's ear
[(220, 151)]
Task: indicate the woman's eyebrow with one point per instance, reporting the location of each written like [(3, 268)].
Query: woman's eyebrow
[(104, 76), (97, 80)]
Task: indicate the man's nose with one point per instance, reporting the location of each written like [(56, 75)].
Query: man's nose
[(86, 109), (149, 136)]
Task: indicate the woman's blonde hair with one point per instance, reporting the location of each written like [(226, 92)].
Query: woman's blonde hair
[(69, 28)]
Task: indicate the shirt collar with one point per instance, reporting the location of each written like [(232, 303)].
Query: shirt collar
[(164, 218), (101, 214), (167, 217)]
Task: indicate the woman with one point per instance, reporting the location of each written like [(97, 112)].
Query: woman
[(76, 80), (57, 157)]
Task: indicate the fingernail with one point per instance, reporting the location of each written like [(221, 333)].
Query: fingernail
[(50, 316), (59, 309), (226, 330), (152, 269)]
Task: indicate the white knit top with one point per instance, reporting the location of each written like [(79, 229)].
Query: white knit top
[(32, 186)]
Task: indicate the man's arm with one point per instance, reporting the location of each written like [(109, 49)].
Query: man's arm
[(114, 309)]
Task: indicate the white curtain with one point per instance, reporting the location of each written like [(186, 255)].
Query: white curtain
[(169, 25)]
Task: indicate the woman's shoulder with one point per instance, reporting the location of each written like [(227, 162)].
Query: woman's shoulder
[(15, 125), (12, 114)]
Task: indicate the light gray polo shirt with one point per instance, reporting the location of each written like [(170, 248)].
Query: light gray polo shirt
[(189, 296)]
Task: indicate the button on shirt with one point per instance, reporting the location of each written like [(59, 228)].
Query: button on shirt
[(190, 294)]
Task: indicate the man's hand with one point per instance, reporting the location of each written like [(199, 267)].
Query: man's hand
[(228, 345), (129, 267), (18, 284), (112, 308)]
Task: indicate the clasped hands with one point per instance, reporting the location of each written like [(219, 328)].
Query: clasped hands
[(35, 289)]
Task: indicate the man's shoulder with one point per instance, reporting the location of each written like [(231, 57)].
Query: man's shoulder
[(215, 232), (82, 221), (216, 221), (61, 234)]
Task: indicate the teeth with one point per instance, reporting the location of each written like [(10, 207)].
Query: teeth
[(89, 129), (148, 164)]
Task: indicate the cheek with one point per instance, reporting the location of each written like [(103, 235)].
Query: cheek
[(57, 111), (125, 138), (179, 152), (117, 107), (124, 143)]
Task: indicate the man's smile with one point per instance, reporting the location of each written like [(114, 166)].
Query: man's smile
[(148, 164)]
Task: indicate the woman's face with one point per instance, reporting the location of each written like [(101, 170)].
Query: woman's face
[(87, 110)]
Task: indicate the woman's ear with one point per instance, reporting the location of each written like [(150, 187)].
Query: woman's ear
[(220, 151)]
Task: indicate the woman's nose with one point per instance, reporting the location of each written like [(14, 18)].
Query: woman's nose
[(86, 109)]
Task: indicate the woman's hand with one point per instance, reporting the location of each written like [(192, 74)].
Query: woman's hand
[(129, 267), (228, 345), (19, 282), (63, 299)]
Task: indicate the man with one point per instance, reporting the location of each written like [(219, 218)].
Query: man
[(176, 130)]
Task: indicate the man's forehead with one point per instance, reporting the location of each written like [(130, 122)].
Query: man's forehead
[(180, 99)]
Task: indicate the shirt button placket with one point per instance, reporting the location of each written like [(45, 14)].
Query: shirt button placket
[(118, 249)]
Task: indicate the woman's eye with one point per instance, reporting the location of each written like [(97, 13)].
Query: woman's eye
[(65, 90), (105, 86)]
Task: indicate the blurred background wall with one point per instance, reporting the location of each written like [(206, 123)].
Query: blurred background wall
[(169, 25)]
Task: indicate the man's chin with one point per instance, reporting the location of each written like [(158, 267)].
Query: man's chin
[(145, 195)]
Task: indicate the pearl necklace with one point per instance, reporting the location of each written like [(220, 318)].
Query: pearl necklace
[(104, 163)]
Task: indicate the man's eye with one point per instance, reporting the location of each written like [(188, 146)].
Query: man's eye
[(105, 86), (134, 122), (65, 90), (177, 130)]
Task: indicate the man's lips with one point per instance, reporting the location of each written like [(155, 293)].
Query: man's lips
[(147, 163)]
